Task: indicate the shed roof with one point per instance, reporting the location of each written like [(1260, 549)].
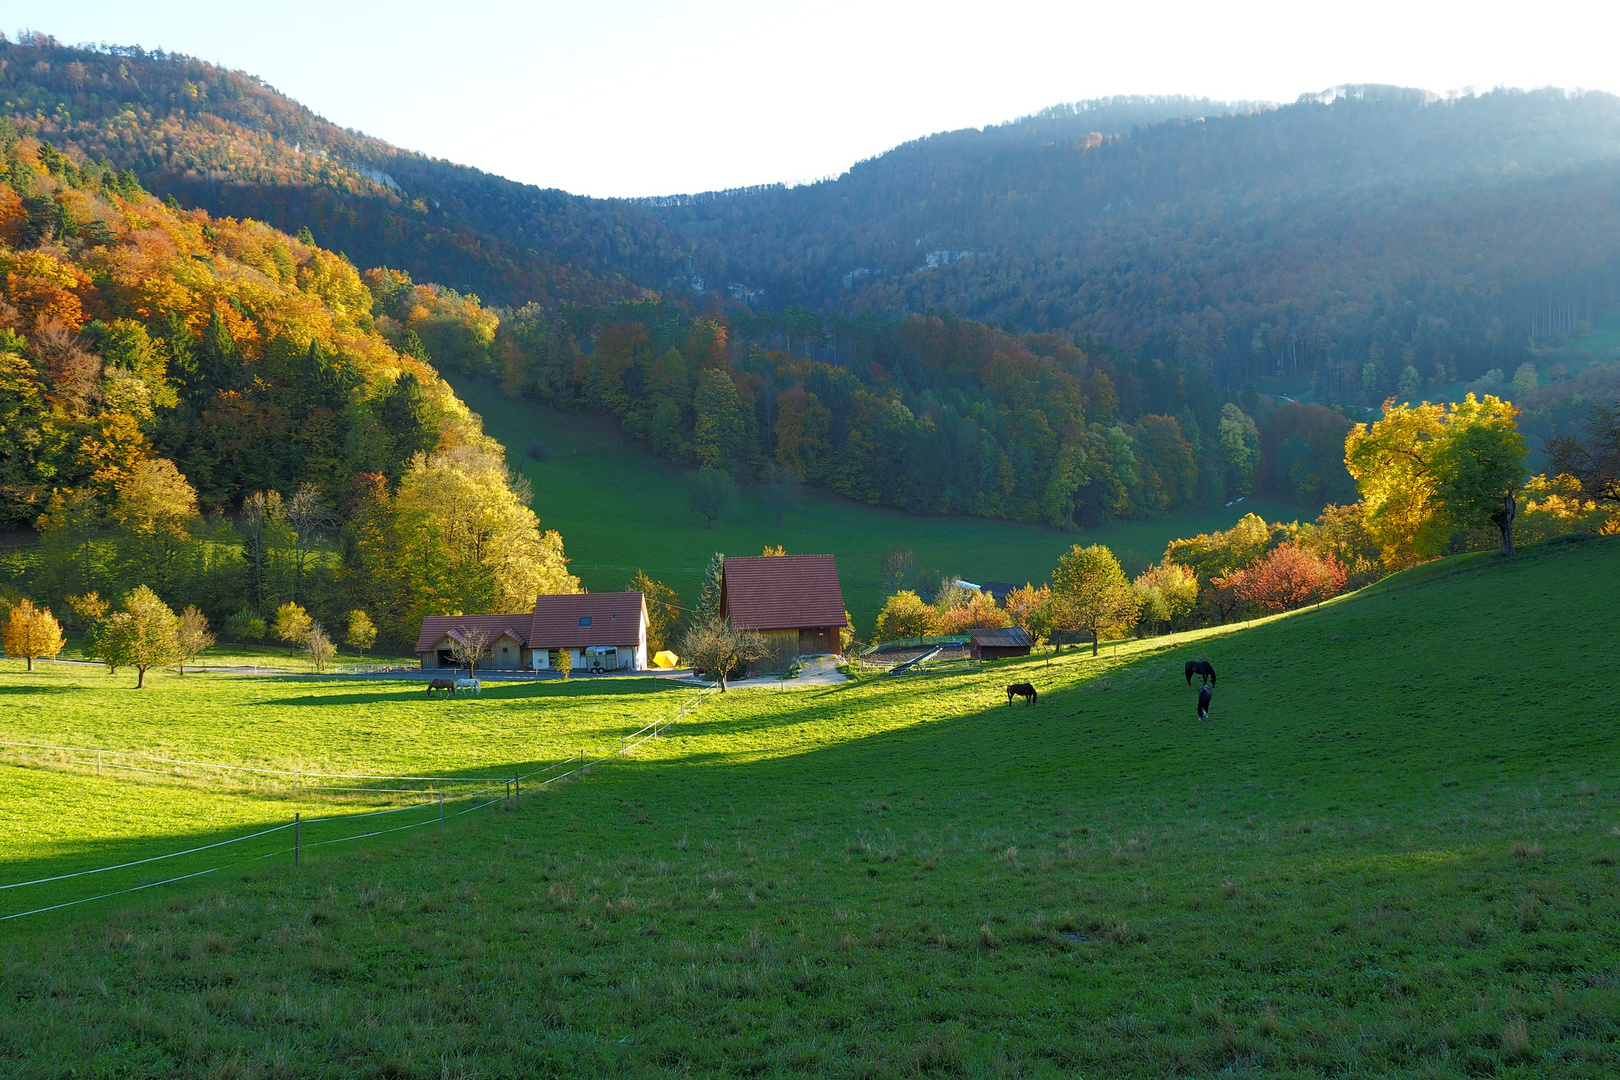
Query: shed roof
[(555, 623), (1001, 637), (435, 628), (782, 592)]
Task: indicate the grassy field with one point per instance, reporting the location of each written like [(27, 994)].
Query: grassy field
[(620, 509), (1391, 852)]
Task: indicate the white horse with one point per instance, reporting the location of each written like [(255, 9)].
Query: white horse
[(469, 684)]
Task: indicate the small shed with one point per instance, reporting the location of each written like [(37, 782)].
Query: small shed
[(997, 643)]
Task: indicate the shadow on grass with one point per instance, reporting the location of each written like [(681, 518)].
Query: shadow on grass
[(1278, 748), (42, 688)]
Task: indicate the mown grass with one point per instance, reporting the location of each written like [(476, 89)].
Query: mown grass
[(620, 509), (1392, 852)]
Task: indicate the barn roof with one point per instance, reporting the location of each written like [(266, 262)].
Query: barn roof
[(563, 621), (1001, 637), (782, 592)]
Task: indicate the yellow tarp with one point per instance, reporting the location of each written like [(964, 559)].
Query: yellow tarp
[(666, 659)]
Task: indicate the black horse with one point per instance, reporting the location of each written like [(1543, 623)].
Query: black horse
[(1023, 690), (1201, 667), (1205, 692)]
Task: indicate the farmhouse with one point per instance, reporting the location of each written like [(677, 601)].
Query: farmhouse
[(993, 644), (793, 600), (600, 632)]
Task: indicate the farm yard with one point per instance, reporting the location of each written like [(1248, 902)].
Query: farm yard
[(1375, 859)]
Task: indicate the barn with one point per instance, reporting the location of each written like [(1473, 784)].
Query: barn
[(987, 643), (599, 631), (793, 600)]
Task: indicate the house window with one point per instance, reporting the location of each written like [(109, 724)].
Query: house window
[(584, 620)]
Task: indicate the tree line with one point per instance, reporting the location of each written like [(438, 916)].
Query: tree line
[(1432, 480)]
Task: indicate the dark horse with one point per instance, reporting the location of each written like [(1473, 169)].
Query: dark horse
[(1023, 690), (1201, 667), (441, 684), (1204, 694)]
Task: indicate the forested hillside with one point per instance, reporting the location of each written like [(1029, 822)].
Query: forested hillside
[(1327, 245), (159, 367), (224, 141), (1062, 319)]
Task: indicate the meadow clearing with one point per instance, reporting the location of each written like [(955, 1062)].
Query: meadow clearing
[(621, 509), (1391, 852)]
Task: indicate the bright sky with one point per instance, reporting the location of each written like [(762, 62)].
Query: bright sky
[(632, 97)]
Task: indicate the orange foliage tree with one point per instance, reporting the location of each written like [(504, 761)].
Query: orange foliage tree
[(1288, 577)]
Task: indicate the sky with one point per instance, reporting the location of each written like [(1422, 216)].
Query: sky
[(630, 97)]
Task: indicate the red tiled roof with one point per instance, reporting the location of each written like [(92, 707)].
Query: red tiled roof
[(553, 624), (782, 592), (615, 620), (435, 628)]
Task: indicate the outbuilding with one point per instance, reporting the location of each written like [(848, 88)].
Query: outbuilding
[(599, 631), (793, 600), (997, 643)]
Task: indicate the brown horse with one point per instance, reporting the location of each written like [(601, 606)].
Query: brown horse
[(1024, 690), (441, 684)]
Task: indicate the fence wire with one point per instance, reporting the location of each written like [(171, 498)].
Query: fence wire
[(580, 763)]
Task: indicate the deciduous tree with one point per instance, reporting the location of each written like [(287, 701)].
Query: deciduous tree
[(143, 634), (293, 623), (32, 632), (663, 607), (318, 647), (191, 636), (722, 649), (1168, 591), (361, 634), (905, 615), (1288, 577), (1090, 586), (711, 492)]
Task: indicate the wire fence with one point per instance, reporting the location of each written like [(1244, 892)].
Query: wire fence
[(433, 800)]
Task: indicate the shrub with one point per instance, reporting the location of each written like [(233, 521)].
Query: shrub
[(904, 615), (245, 626)]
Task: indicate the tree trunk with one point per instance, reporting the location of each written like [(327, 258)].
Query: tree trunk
[(1094, 643), (140, 677), (30, 663), (1504, 521)]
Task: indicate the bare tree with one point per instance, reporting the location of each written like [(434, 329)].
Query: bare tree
[(319, 647), (722, 649), (468, 645), (192, 636), (310, 518)]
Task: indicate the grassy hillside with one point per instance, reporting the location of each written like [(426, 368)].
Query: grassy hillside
[(619, 508), (1392, 852)]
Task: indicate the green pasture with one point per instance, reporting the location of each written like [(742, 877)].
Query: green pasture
[(620, 509), (1392, 852)]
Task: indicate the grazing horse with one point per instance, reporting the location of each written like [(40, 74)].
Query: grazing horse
[(441, 684), (1023, 690), (1205, 692), (470, 684), (1201, 667)]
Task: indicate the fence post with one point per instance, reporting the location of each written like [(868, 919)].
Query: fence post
[(298, 839), (441, 811), (98, 762), (517, 785)]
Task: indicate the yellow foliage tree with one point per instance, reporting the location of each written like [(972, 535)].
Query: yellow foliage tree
[(1167, 591), (1423, 469), (32, 632), (468, 539), (905, 615)]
